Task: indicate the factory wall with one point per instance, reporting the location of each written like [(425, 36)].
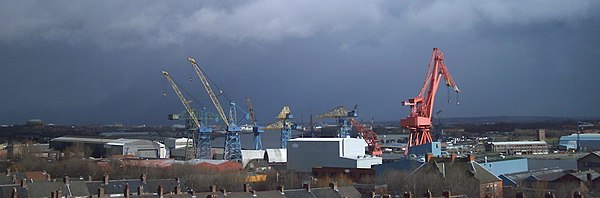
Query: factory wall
[(307, 153)]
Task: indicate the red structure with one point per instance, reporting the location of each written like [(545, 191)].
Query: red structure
[(421, 107), (369, 136)]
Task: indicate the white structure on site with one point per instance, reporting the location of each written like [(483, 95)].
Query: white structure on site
[(305, 153)]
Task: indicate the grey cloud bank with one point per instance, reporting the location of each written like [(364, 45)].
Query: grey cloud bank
[(100, 62)]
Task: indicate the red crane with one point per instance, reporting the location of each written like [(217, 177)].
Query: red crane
[(421, 107), (369, 136)]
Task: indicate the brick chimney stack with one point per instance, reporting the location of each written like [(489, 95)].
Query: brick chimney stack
[(453, 157), (24, 182), (8, 172), (213, 188), (281, 189), (66, 180), (140, 190), (408, 195)]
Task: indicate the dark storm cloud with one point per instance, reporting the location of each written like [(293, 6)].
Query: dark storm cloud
[(100, 62)]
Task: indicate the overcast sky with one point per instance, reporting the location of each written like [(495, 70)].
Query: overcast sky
[(100, 62)]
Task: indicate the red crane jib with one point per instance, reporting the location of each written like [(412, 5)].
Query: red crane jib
[(369, 136), (421, 107)]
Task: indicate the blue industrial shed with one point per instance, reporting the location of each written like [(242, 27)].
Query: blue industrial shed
[(587, 142)]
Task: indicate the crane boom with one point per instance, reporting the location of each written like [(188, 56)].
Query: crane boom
[(185, 102), (369, 136), (208, 88), (251, 111), (421, 107)]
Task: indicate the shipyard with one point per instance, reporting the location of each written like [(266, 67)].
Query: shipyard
[(300, 99)]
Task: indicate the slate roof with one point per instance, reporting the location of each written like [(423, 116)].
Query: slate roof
[(514, 179), (447, 166)]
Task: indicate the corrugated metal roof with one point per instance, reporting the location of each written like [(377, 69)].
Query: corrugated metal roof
[(248, 155), (277, 155), (317, 139), (79, 139), (520, 143), (584, 136)]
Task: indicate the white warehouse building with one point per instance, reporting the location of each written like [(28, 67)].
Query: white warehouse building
[(305, 153)]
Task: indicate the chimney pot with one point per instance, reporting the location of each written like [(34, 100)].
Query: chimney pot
[(408, 195), (160, 190), (100, 192), (280, 189), (307, 187), (453, 157), (177, 189), (15, 194), (8, 172), (66, 180), (192, 193), (24, 182), (471, 157), (105, 179), (253, 192), (140, 190), (127, 191), (428, 194), (447, 194), (577, 194), (549, 195), (589, 177), (143, 178), (428, 157), (48, 177), (213, 189), (90, 178), (246, 188), (333, 186)]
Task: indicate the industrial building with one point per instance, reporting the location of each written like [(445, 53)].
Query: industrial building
[(518, 147), (303, 154), (585, 142), (108, 147)]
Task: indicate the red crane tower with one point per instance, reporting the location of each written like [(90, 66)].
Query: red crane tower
[(421, 107)]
